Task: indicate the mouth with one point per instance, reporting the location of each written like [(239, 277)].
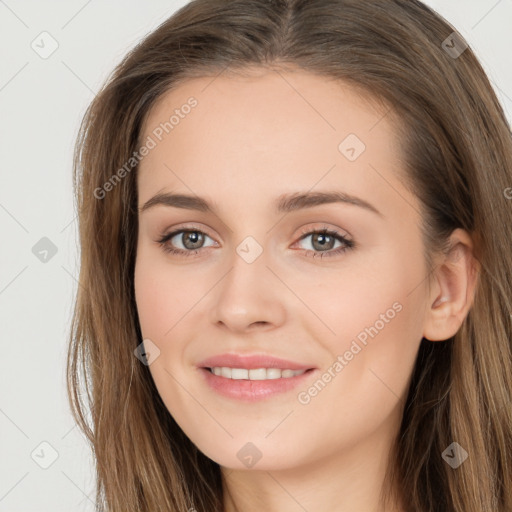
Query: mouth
[(252, 378), (255, 373), (254, 384)]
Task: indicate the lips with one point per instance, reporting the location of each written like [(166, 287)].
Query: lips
[(282, 376), (252, 362)]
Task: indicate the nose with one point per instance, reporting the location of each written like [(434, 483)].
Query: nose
[(248, 297)]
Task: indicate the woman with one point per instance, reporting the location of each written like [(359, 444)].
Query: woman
[(293, 225)]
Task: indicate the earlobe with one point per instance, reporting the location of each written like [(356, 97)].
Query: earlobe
[(455, 278)]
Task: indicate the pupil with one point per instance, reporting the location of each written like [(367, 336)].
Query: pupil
[(323, 237), (196, 239)]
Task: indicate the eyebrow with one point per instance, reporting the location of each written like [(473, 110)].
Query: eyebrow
[(285, 203)]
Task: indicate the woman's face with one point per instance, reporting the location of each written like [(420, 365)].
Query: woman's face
[(252, 286)]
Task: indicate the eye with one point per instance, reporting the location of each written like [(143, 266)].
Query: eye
[(191, 241), (323, 242)]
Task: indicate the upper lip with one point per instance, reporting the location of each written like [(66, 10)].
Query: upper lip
[(251, 362)]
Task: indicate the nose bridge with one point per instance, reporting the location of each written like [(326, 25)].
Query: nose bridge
[(246, 294), (248, 267)]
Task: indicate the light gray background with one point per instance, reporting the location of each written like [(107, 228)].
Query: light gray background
[(42, 102)]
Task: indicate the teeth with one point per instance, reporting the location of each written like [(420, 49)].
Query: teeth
[(274, 373), (254, 374), (239, 373), (257, 374)]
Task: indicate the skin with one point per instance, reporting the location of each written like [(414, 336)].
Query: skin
[(249, 140)]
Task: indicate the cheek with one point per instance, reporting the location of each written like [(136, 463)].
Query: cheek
[(163, 300), (164, 293), (375, 315), (362, 385), (366, 290), (152, 305)]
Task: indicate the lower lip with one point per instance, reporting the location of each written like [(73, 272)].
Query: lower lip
[(252, 390)]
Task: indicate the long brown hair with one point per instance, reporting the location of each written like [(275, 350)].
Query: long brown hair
[(457, 153)]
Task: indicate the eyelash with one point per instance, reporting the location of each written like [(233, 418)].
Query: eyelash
[(348, 244)]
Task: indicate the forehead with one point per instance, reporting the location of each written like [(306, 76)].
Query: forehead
[(235, 100), (267, 131)]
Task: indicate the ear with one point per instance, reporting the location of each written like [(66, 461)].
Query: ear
[(451, 295)]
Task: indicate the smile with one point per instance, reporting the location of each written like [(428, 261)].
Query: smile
[(255, 384), (254, 373)]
